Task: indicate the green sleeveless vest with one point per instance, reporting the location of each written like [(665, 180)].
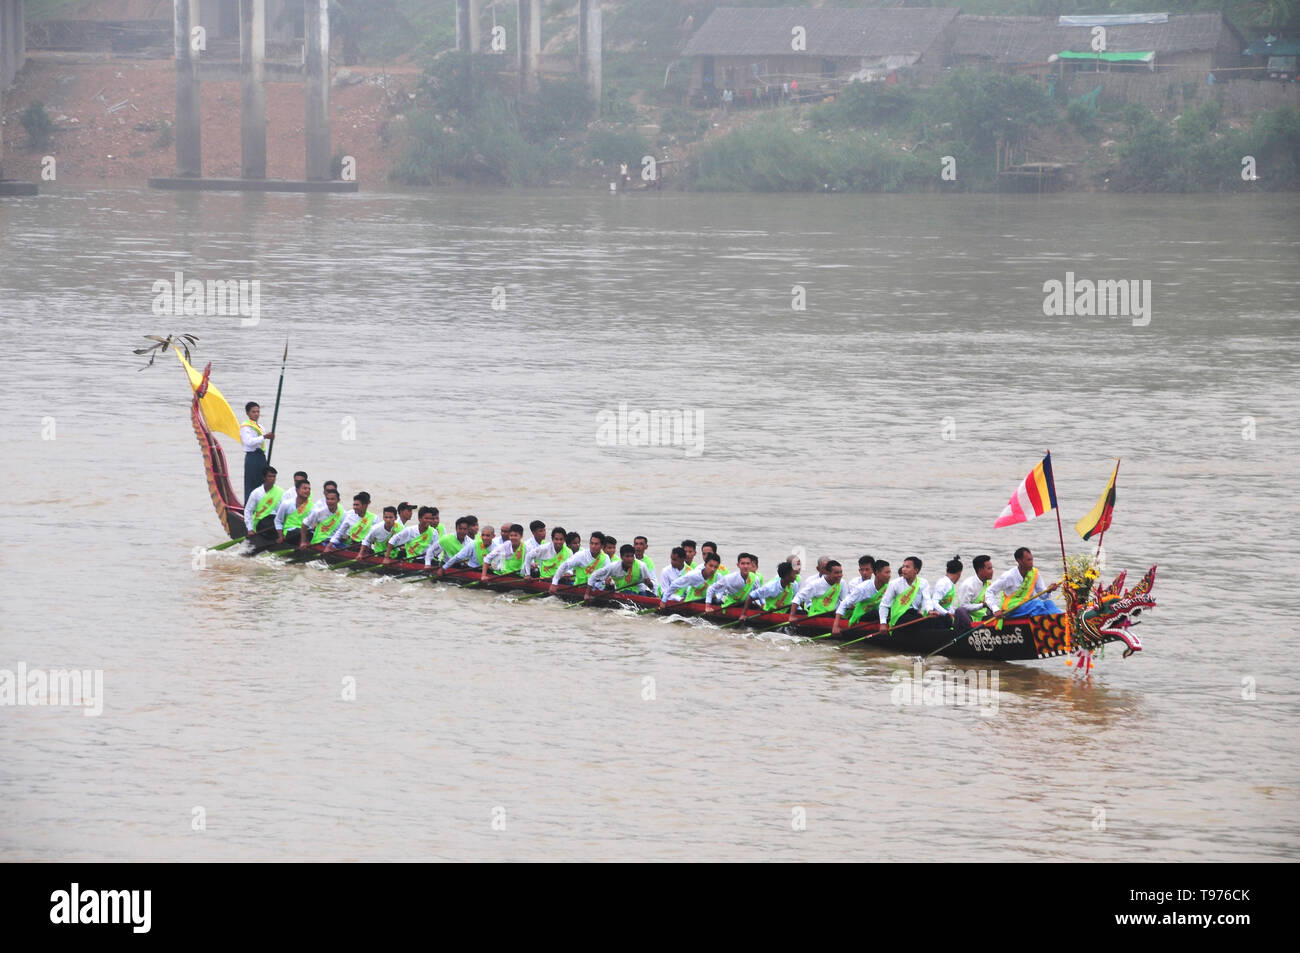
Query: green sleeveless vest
[(326, 527), (754, 580), (267, 504), (547, 567), (826, 602), (623, 582), (782, 599), (582, 572), (904, 602), (296, 516), (417, 546), (865, 606), (513, 564), (358, 532)]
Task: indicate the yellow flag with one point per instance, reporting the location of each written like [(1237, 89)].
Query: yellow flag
[(216, 410)]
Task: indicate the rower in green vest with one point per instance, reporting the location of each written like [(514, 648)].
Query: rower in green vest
[(971, 593), (473, 554), (319, 525), (864, 599), (378, 536), (691, 586), (545, 559), (509, 559), (710, 547), (259, 509), (411, 542), (628, 574), (778, 592), (449, 544), (582, 564), (355, 525), (907, 598), (821, 594), (733, 588), (688, 546), (291, 512), (641, 544)]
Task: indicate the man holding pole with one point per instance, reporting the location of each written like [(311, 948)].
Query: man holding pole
[(1017, 591), (254, 443)]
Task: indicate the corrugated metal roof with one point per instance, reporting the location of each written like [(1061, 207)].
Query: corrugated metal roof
[(767, 31), (1034, 39)]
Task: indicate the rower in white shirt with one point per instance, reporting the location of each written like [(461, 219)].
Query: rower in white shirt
[(907, 597), (676, 566), (862, 603), (414, 539), (970, 595), (1020, 590), (291, 512), (734, 587), (628, 574), (449, 544), (820, 594), (355, 525), (321, 522), (377, 539), (778, 592), (535, 539), (866, 573), (507, 560), (260, 507), (547, 557), (943, 597), (691, 586), (319, 506), (583, 563), (474, 552)]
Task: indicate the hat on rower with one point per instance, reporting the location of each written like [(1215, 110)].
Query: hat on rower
[(405, 506)]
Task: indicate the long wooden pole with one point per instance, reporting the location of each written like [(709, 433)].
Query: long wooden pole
[(275, 418)]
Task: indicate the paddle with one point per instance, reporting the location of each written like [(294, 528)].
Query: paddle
[(226, 545)]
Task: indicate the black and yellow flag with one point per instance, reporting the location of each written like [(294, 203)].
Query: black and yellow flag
[(1098, 520)]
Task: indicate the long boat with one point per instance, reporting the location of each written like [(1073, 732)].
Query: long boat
[(1108, 617)]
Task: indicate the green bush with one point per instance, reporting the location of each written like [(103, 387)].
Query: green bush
[(866, 104), (613, 146), (560, 107), (39, 126)]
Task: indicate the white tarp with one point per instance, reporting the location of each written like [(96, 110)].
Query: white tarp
[(1113, 19)]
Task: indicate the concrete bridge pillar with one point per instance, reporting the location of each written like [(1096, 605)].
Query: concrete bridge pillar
[(252, 83), (589, 47), (468, 18), (189, 142), (530, 44), (316, 43)]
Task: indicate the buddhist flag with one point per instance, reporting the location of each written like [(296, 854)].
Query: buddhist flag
[(216, 410), (1098, 520), (1034, 497)]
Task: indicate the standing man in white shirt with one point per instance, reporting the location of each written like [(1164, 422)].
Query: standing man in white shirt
[(1020, 590), (254, 443)]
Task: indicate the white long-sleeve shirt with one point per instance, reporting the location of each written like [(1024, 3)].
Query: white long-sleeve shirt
[(287, 505), (865, 590), (250, 505), (770, 589), (968, 589), (941, 588), (687, 580), (314, 518), (379, 534), (897, 587), (810, 590), (500, 554), (435, 550), (250, 438), (1008, 583), (350, 519), (728, 585), (468, 554), (578, 560), (614, 571), (668, 576)]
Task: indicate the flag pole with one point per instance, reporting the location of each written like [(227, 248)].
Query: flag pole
[(275, 418), (1065, 567)]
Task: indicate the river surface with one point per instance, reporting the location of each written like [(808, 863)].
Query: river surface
[(893, 415)]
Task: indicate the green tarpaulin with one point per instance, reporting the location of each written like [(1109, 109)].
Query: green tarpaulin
[(1109, 57), (1273, 48)]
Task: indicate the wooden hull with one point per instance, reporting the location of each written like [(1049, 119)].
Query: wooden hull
[(1025, 639)]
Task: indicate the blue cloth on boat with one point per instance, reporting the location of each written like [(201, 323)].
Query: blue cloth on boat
[(1035, 607)]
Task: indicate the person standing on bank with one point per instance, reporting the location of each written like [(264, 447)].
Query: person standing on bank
[(254, 441)]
